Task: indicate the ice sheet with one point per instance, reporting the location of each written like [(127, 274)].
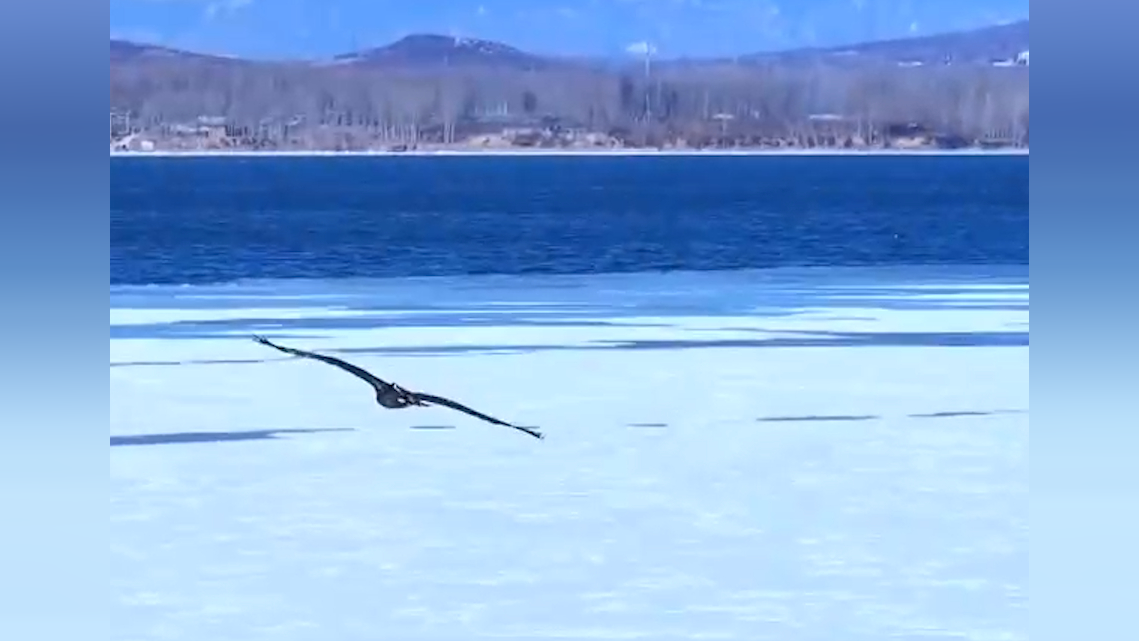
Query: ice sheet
[(809, 470)]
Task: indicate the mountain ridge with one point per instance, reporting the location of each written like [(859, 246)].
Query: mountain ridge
[(981, 45)]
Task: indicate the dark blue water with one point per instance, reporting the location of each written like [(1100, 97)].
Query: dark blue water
[(207, 220)]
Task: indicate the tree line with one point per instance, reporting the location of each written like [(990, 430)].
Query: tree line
[(358, 106)]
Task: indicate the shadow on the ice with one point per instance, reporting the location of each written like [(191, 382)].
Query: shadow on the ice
[(213, 437), (963, 413), (816, 417), (800, 338)]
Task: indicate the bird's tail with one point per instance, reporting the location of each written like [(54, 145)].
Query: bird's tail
[(410, 396)]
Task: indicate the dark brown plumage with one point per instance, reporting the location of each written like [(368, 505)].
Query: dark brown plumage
[(391, 395)]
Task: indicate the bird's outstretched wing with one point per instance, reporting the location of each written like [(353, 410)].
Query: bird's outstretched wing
[(360, 372), (446, 402)]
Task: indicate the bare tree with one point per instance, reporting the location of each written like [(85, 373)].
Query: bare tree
[(815, 103)]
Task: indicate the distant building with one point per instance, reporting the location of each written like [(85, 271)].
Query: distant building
[(826, 117), (132, 142)]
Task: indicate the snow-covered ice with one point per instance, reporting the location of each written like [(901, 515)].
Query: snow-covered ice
[(808, 454)]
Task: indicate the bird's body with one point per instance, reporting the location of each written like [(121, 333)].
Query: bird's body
[(392, 399), (391, 395)]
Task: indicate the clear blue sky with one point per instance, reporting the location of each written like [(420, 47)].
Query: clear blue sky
[(319, 28)]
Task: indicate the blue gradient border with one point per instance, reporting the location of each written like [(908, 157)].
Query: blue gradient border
[(53, 263), (1085, 232)]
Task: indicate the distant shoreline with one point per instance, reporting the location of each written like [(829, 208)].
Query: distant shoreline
[(574, 152)]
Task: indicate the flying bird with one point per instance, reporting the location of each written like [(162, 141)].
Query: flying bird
[(391, 395)]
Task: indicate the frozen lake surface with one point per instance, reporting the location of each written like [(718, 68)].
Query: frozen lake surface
[(796, 454)]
